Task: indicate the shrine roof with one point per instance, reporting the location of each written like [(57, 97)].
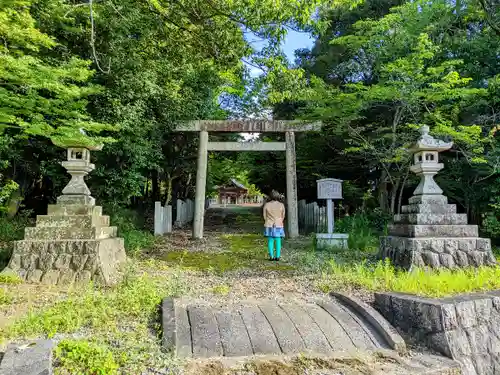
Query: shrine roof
[(233, 183)]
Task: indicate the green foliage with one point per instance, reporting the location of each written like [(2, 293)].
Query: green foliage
[(10, 279), (6, 298), (380, 70), (83, 357), (37, 97), (491, 226), (222, 170), (363, 229), (6, 190), (221, 289)]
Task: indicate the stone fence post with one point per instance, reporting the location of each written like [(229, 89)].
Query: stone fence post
[(158, 223), (162, 219)]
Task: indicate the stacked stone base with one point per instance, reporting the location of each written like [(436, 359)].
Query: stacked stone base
[(73, 243), (463, 328), (429, 233)]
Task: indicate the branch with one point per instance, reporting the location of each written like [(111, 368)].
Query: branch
[(117, 11), (490, 22), (73, 8), (367, 143), (92, 40), (493, 173), (254, 65)]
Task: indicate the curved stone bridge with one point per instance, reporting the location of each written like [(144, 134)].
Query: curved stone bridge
[(329, 326)]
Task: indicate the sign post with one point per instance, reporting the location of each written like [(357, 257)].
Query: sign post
[(330, 189)]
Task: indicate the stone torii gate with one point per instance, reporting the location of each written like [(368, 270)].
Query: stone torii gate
[(247, 126)]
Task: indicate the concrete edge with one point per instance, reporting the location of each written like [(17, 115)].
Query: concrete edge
[(168, 324), (31, 358), (387, 331)]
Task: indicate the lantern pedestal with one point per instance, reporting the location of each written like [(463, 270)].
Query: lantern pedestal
[(73, 242)]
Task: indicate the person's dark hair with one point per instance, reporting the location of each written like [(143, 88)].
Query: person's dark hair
[(275, 196)]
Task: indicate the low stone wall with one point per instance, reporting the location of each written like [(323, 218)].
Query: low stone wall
[(465, 328)]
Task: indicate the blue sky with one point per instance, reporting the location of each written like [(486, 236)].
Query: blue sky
[(294, 40)]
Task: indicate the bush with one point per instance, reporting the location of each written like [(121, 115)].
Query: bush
[(491, 227), (85, 358), (131, 226), (11, 229), (363, 233)]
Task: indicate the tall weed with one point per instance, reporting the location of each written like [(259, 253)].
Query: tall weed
[(382, 276), (362, 234)]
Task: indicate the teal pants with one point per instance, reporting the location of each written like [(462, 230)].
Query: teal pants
[(270, 246)]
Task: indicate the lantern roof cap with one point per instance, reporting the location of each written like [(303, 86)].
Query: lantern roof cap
[(428, 143)]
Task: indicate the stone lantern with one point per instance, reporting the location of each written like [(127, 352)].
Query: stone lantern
[(73, 242), (429, 232), (426, 163), (78, 165)]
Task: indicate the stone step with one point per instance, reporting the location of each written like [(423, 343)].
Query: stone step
[(71, 221), (274, 328), (431, 219), (411, 230), (426, 208), (429, 199), (68, 233), (73, 209)]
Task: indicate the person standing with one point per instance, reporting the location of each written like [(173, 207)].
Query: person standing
[(274, 217)]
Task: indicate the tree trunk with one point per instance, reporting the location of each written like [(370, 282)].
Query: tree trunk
[(155, 186), (168, 190), (188, 185), (394, 194), (401, 191), (382, 192)]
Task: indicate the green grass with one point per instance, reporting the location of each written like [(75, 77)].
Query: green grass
[(6, 297), (382, 276), (240, 251), (10, 278), (122, 321)]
